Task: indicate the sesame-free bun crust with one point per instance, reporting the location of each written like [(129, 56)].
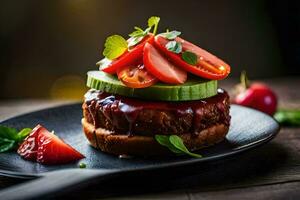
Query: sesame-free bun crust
[(120, 144)]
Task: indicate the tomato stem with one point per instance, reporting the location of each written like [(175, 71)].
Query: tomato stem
[(244, 79)]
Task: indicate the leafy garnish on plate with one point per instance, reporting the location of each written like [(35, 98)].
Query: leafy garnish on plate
[(175, 144), (10, 138)]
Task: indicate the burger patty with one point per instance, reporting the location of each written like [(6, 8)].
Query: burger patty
[(130, 116)]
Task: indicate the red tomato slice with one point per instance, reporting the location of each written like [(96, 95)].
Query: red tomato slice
[(208, 66), (162, 68), (127, 58), (136, 76)]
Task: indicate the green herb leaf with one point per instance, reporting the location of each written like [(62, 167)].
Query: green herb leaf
[(288, 117), (177, 142), (189, 57), (170, 35), (10, 137), (164, 141), (174, 46), (23, 134), (139, 32), (153, 21), (8, 133), (115, 46), (137, 36), (134, 41), (6, 144)]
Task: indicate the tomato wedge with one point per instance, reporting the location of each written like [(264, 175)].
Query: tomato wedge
[(136, 76), (162, 68), (126, 58), (208, 66)]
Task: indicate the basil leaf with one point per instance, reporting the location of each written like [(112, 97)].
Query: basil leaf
[(288, 117), (174, 46), (115, 46), (170, 35), (153, 21), (6, 145), (8, 133), (23, 134), (164, 141), (177, 142), (189, 57), (10, 137)]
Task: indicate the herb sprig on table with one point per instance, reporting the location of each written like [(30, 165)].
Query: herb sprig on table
[(10, 138), (288, 117), (175, 144)]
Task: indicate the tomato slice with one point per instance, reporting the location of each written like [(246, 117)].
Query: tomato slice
[(208, 66), (162, 68), (126, 58), (136, 76)]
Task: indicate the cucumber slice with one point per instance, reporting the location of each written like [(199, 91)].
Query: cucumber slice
[(194, 89)]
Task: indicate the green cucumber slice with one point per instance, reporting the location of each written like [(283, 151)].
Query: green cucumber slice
[(194, 89)]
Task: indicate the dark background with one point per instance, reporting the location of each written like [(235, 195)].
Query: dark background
[(48, 46)]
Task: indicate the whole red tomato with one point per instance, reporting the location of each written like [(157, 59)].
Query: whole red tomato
[(258, 96)]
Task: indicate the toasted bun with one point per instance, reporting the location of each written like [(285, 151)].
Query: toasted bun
[(113, 143)]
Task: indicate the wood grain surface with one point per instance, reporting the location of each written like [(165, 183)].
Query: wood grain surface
[(270, 172)]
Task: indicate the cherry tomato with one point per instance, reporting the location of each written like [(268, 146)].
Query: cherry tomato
[(136, 76), (208, 66), (126, 58), (258, 96), (161, 67)]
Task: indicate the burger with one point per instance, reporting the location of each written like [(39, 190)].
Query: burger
[(155, 95)]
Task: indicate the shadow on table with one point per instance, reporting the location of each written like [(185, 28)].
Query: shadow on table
[(250, 168)]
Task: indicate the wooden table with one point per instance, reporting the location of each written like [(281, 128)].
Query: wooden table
[(269, 172)]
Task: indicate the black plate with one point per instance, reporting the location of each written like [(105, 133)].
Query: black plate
[(249, 128)]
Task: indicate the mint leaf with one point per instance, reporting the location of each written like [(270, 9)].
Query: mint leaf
[(174, 46), (115, 46), (6, 144), (153, 21), (177, 142), (170, 35), (164, 141), (189, 57), (23, 134)]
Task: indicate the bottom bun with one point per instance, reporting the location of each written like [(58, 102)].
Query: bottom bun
[(118, 144)]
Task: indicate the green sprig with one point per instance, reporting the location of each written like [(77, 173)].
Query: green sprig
[(153, 22), (10, 138), (175, 144)]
